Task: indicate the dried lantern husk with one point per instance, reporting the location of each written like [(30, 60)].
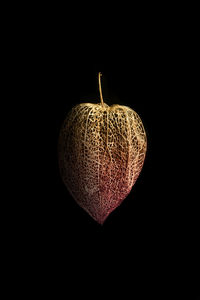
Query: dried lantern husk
[(101, 153)]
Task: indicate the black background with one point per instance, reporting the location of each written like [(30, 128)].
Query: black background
[(152, 237)]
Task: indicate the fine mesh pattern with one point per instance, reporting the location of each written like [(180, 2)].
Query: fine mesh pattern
[(101, 153)]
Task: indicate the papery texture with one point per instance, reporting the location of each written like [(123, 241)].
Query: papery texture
[(101, 153)]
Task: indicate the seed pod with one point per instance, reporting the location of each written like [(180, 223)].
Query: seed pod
[(101, 153)]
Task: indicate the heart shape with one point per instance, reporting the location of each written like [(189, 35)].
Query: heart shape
[(101, 153)]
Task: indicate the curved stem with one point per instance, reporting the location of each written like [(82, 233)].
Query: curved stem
[(100, 90)]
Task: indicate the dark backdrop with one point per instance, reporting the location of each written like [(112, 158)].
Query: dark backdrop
[(152, 235)]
